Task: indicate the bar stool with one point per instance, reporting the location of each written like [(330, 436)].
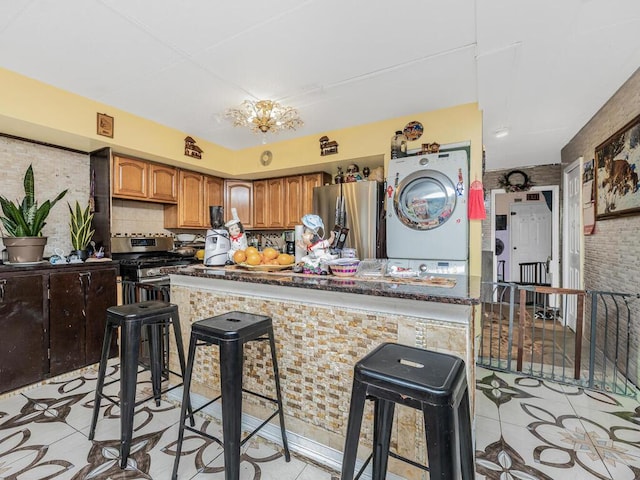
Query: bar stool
[(154, 315), (230, 332), (432, 382)]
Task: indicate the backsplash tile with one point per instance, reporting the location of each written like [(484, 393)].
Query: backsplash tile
[(54, 169)]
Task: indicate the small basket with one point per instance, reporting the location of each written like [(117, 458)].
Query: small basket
[(345, 267)]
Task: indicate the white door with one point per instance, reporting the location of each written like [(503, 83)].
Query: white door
[(572, 235), (530, 227)]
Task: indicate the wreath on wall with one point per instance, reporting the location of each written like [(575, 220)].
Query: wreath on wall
[(515, 181)]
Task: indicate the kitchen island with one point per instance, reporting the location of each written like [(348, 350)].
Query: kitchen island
[(323, 326)]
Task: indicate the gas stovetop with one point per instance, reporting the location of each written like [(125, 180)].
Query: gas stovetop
[(142, 257)]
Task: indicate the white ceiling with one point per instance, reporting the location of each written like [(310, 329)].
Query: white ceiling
[(541, 68)]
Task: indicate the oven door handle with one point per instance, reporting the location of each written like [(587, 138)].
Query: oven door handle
[(160, 279)]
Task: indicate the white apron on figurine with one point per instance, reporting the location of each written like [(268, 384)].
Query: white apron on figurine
[(237, 238), (317, 248)]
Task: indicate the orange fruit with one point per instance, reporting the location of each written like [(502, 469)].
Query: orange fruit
[(285, 259), (270, 253), (271, 262), (250, 250), (239, 256), (254, 259)]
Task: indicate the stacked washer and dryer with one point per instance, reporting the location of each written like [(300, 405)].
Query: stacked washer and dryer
[(427, 219)]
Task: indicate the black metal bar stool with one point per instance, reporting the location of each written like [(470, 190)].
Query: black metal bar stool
[(429, 381), (230, 332), (131, 318)]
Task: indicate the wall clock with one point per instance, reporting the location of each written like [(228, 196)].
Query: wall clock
[(265, 158)]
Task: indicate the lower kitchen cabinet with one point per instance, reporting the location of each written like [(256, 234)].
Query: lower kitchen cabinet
[(77, 317), (23, 345), (52, 321)]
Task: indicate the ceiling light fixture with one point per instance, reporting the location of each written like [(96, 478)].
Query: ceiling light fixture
[(501, 132), (264, 116)]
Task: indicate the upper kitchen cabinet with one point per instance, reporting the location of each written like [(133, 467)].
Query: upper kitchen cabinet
[(141, 180), (269, 203), (195, 193), (238, 194), (213, 195), (309, 182), (163, 183)]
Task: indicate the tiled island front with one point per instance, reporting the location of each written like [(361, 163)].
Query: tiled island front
[(321, 331)]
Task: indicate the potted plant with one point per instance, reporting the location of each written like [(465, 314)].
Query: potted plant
[(23, 223), (81, 231)]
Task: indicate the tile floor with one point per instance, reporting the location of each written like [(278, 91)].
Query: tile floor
[(525, 429)]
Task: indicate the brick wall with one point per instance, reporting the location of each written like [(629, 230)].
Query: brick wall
[(612, 253), (54, 170)]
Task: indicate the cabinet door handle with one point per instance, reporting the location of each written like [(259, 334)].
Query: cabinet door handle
[(85, 281)]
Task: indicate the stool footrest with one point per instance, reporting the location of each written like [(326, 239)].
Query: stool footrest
[(216, 439)]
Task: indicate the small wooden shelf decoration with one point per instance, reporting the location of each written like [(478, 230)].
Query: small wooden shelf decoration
[(327, 147), (191, 149), (105, 125)]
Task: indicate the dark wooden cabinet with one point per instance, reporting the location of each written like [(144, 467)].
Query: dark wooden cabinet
[(23, 343), (77, 316), (52, 320)]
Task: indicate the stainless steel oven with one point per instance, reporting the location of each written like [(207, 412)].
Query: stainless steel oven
[(141, 259)]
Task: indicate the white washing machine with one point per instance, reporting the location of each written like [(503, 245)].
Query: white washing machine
[(426, 200)]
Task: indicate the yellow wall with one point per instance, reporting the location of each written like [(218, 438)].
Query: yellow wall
[(32, 109)]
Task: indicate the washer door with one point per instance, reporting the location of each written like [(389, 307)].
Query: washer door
[(425, 200)]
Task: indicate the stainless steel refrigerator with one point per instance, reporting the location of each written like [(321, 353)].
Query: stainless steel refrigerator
[(356, 206)]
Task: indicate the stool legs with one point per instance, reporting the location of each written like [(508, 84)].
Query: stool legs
[(356, 409), (129, 371), (231, 391), (439, 423), (102, 369), (155, 356), (383, 415), (276, 374), (186, 385), (465, 441)]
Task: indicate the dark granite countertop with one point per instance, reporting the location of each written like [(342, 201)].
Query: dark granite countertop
[(465, 292), (6, 268)]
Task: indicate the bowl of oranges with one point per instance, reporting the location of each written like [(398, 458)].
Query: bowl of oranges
[(267, 260)]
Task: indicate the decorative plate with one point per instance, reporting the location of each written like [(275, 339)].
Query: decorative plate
[(265, 157), (265, 268), (413, 131)]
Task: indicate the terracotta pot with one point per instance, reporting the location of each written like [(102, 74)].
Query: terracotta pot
[(25, 249)]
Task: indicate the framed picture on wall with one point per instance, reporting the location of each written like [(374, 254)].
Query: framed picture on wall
[(617, 165), (105, 125)]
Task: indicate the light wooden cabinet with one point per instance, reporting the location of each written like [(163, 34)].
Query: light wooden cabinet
[(141, 180), (195, 193), (163, 183), (309, 182), (130, 178), (293, 201), (269, 203), (191, 201), (260, 210), (238, 194)]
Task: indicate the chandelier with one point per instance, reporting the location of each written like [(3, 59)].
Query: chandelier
[(264, 116)]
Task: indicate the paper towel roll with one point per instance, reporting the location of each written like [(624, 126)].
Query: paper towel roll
[(300, 251)]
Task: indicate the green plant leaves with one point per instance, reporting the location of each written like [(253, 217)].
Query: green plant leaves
[(26, 219), (80, 226)]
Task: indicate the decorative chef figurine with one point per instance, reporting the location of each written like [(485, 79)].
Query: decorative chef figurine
[(316, 246), (236, 234)]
